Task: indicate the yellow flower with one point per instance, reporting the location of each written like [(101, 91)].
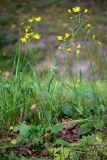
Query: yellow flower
[(23, 40), (13, 26), (38, 19), (36, 36), (88, 25), (30, 20), (77, 82), (76, 9), (21, 24), (11, 128), (69, 10), (30, 34), (13, 141), (28, 27), (94, 36), (69, 50), (59, 38), (78, 51), (99, 43), (78, 46), (67, 35), (33, 107), (27, 36), (59, 47), (26, 30), (71, 18), (85, 11)]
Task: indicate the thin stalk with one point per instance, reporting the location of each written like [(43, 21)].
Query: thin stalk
[(94, 86)]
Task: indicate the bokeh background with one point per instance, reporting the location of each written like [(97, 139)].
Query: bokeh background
[(55, 21)]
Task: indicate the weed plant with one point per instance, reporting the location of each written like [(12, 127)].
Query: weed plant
[(35, 109)]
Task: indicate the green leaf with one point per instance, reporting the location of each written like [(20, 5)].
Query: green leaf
[(47, 114), (74, 155), (65, 153), (12, 156), (41, 159), (62, 142), (66, 109), (85, 128), (53, 150), (90, 95), (62, 154), (23, 128), (86, 140), (57, 128), (24, 158), (99, 123)]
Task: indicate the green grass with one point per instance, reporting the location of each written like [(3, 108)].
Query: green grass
[(52, 99)]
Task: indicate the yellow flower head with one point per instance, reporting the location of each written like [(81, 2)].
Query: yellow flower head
[(33, 107), (76, 9), (88, 25), (26, 30), (23, 40), (11, 128), (93, 36), (71, 18), (13, 141), (69, 50), (78, 46), (38, 19), (67, 35), (78, 52), (27, 36), (59, 38), (21, 24), (99, 43), (78, 82), (30, 34), (36, 36), (85, 11), (30, 20), (59, 47), (13, 26), (28, 27), (69, 10)]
